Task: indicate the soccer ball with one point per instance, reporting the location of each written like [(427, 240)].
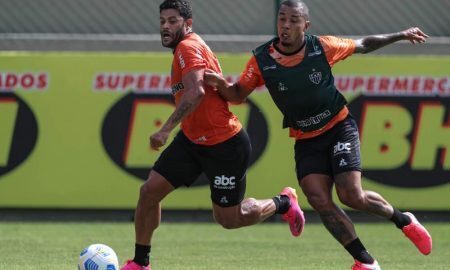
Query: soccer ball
[(98, 257)]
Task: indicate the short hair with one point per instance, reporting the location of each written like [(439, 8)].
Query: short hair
[(297, 3), (183, 7)]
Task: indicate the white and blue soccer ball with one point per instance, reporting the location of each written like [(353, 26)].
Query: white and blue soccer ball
[(98, 257)]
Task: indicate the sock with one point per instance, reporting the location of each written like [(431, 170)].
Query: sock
[(359, 252), (282, 204), (400, 219), (142, 254)]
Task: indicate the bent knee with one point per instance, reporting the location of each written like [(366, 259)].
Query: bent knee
[(229, 225), (146, 194), (241, 215), (320, 203), (225, 222), (355, 201), (145, 190)]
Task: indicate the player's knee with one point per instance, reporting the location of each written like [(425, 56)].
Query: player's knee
[(244, 214), (146, 196), (320, 203), (226, 223), (355, 201), (229, 225)]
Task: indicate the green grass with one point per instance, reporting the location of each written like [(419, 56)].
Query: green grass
[(207, 246)]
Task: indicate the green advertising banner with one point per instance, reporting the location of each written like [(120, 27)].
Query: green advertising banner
[(74, 129)]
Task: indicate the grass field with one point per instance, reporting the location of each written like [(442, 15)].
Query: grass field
[(205, 246)]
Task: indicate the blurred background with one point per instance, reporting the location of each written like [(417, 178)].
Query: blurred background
[(228, 26), (84, 83)]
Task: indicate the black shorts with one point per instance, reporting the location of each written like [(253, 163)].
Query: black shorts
[(224, 164), (331, 153)]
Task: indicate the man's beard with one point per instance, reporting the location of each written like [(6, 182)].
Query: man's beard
[(178, 37)]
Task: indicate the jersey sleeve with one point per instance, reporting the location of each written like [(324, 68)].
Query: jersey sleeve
[(189, 57), (251, 77), (337, 49)]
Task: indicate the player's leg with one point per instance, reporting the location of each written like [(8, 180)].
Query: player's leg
[(148, 211), (314, 171), (346, 165), (147, 216), (318, 190), (252, 211), (225, 165), (175, 167), (350, 193)]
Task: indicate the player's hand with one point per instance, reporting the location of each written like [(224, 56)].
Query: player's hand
[(212, 78), (158, 139), (415, 35)]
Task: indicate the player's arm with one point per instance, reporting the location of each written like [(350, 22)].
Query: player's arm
[(231, 92), (250, 79), (371, 43), (191, 98)]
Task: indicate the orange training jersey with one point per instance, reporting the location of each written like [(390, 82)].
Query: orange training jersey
[(336, 49), (211, 122)]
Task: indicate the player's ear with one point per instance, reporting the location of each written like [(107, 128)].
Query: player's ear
[(307, 24), (188, 23)]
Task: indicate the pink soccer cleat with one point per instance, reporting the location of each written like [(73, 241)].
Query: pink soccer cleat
[(131, 265), (365, 266), (294, 216), (418, 235)]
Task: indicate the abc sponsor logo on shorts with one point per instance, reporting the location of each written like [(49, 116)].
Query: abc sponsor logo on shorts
[(342, 148), (223, 182)]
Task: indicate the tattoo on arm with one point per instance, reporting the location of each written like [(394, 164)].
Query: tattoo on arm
[(180, 112), (185, 107), (372, 43)]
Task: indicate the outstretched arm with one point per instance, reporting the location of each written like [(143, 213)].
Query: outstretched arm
[(191, 98), (230, 92), (372, 43)]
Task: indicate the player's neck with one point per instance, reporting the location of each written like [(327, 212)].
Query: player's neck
[(186, 35), (289, 50)]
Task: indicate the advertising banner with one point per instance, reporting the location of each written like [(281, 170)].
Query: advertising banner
[(75, 127)]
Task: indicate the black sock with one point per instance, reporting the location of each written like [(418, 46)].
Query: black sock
[(400, 219), (359, 252), (142, 254), (282, 204)]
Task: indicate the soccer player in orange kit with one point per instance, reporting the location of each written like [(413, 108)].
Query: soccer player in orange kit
[(211, 141)]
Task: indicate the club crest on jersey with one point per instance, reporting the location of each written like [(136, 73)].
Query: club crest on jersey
[(315, 77), (282, 87)]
